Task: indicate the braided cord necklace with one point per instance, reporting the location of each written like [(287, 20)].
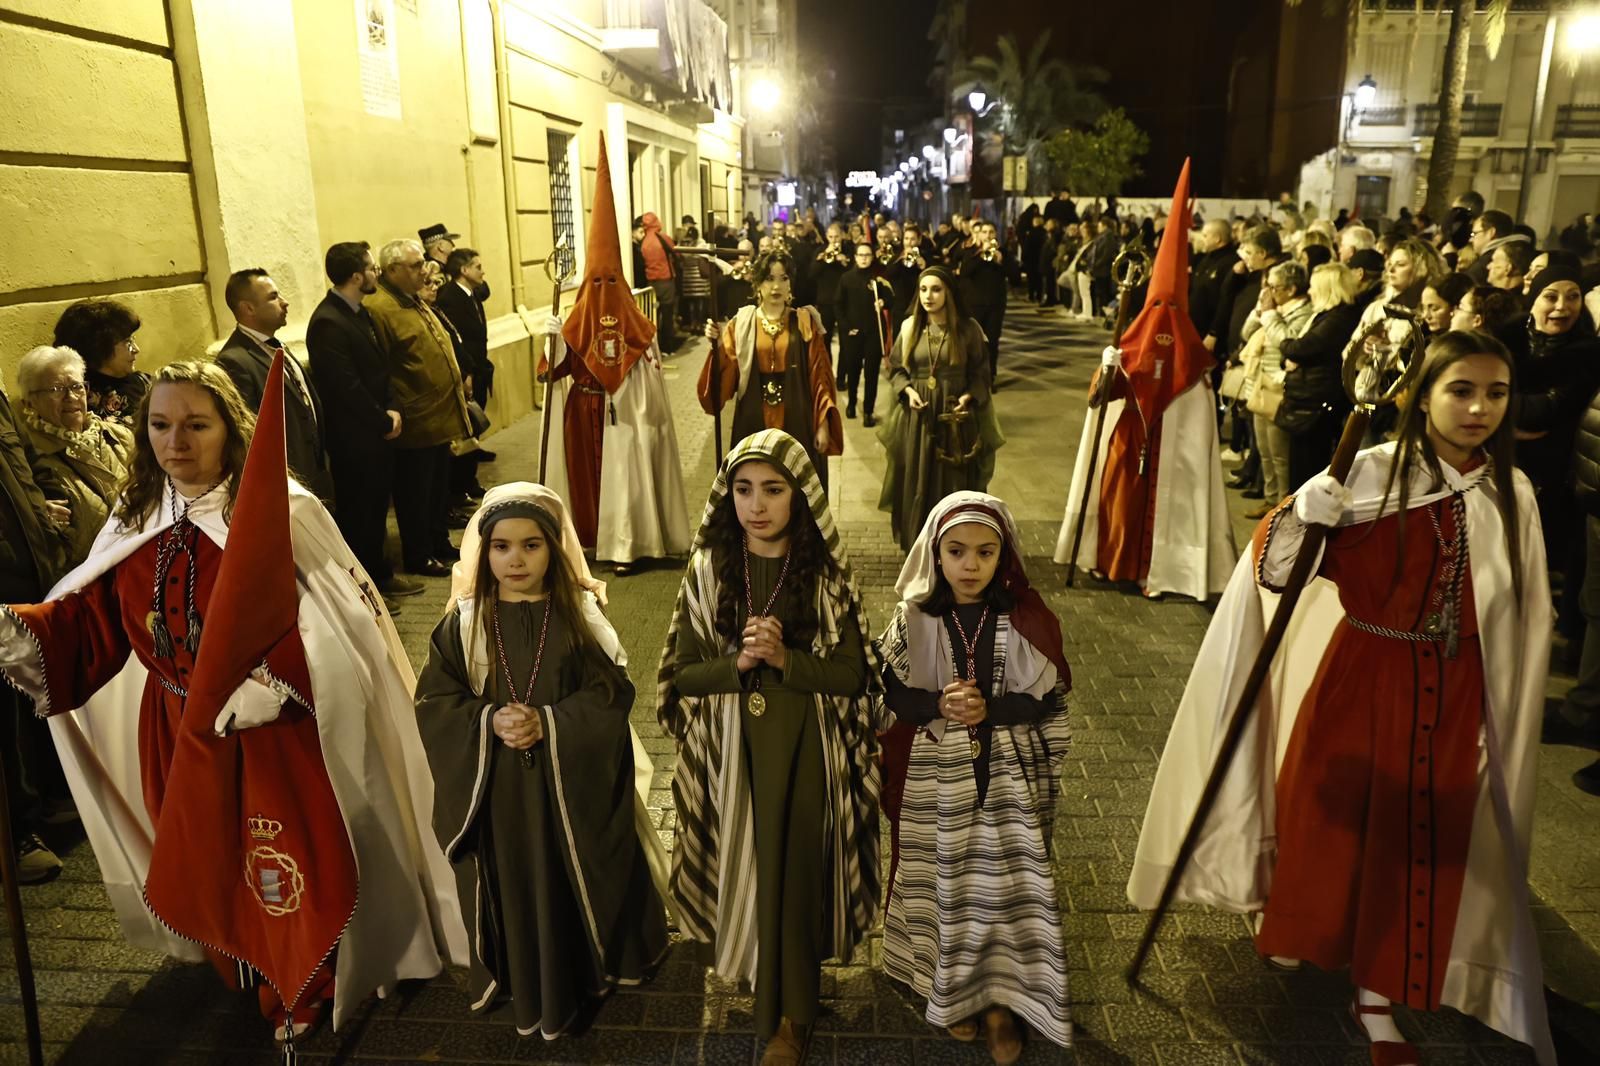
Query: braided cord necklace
[(969, 651), (505, 664), (758, 702), (1445, 617), (183, 535)]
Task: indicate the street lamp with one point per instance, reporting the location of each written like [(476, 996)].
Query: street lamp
[(1583, 33), (977, 98), (765, 95), (1366, 93), (950, 135)]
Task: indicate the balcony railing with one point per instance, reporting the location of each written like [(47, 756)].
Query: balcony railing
[(1578, 120), (1477, 120), (1383, 116), (691, 45)]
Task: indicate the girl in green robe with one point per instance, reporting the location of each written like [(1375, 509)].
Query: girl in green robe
[(941, 433), (764, 687), (523, 708)]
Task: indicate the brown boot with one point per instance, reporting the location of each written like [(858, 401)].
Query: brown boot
[(966, 1031), (788, 1045), (1004, 1036)]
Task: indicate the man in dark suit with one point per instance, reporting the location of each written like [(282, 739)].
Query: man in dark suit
[(459, 301), (247, 357), (352, 373)]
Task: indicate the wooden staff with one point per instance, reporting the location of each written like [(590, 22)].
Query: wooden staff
[(1134, 264), (558, 270), (1378, 372)]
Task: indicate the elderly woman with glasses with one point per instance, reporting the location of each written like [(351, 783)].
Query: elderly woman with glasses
[(87, 454)]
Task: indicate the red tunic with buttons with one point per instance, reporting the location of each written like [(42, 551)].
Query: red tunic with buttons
[(86, 637), (1378, 786)]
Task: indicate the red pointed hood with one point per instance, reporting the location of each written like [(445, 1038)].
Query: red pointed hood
[(1162, 353), (254, 601), (606, 329)]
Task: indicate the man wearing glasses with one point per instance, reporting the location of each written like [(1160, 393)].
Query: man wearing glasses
[(1491, 230), (428, 391)]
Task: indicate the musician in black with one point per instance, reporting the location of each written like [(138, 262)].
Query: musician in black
[(915, 257), (827, 267), (982, 276), (859, 312)]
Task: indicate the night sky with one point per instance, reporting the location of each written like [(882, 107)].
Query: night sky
[(1167, 61)]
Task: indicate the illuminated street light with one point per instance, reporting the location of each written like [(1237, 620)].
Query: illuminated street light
[(1583, 33), (950, 135), (927, 152), (1366, 93), (765, 94), (976, 99)]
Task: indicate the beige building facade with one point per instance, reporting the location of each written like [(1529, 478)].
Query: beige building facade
[(1386, 138), (148, 148)]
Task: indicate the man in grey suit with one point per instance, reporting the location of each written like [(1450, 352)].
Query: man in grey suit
[(247, 357)]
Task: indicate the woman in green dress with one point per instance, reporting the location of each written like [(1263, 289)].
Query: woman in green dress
[(763, 686), (941, 433), (523, 708)]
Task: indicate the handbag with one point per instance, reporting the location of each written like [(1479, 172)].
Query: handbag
[(1233, 378), (1266, 397)]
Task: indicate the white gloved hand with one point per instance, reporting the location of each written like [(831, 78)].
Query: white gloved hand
[(555, 343), (1111, 356), (251, 704), (1323, 501)]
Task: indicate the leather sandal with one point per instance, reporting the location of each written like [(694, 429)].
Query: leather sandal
[(1384, 1052), (966, 1031), (1004, 1036), (788, 1045)]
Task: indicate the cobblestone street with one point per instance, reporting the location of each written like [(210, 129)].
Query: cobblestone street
[(1206, 998)]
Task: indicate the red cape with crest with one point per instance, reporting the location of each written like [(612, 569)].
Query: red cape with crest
[(251, 856), (1162, 357)]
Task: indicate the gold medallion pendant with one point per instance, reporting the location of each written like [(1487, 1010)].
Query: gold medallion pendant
[(758, 705), (977, 749)]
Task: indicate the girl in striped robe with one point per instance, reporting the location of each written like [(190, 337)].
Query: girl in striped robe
[(763, 686), (976, 677)]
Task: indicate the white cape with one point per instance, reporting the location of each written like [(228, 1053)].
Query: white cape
[(1494, 972), (644, 513), (1193, 549), (408, 921)]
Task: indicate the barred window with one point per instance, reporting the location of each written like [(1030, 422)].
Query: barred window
[(562, 220)]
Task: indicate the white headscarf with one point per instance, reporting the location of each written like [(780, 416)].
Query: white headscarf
[(919, 574), (465, 570)]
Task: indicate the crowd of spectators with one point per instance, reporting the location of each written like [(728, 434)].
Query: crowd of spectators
[(384, 408)]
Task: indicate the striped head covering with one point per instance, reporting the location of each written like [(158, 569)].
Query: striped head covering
[(713, 888), (1031, 616)]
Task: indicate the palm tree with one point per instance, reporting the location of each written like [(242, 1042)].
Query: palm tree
[(1452, 83), (1037, 97)]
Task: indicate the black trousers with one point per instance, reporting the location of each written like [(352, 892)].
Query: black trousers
[(422, 502), (860, 358), (1583, 702), (362, 482), (30, 762), (992, 320)]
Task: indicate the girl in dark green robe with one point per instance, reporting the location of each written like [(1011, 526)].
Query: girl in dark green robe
[(941, 433), (523, 708), (764, 686)]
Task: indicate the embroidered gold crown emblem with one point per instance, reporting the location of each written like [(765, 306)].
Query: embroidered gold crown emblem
[(263, 828), (608, 321)]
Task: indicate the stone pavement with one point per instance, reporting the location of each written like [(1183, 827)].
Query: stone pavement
[(1206, 996)]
